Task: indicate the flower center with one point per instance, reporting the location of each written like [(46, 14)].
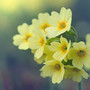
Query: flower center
[(44, 26), (27, 36), (57, 67), (64, 48), (42, 41), (81, 53), (62, 25)]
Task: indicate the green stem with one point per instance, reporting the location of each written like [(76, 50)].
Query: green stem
[(53, 40), (81, 85)]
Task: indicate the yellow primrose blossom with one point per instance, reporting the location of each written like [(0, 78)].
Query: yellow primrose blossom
[(42, 22), (75, 74), (88, 39), (47, 55), (60, 23), (37, 42), (22, 39), (53, 69), (61, 49), (80, 54), (87, 65)]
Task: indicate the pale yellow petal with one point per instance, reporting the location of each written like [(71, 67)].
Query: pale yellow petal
[(54, 46), (72, 54), (40, 60), (34, 42), (35, 21), (67, 74), (51, 62), (76, 78), (17, 39), (84, 74), (58, 55), (55, 14), (23, 29), (53, 32), (47, 71), (54, 19), (63, 40), (63, 12), (87, 63), (24, 46), (39, 53), (77, 63), (79, 45), (68, 17), (57, 77), (44, 17)]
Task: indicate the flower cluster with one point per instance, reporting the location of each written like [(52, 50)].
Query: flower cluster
[(53, 41)]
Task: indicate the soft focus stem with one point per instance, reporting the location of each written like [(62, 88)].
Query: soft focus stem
[(81, 85), (53, 40)]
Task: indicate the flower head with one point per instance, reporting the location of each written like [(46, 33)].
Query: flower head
[(60, 49), (87, 65), (38, 42), (75, 74), (42, 22), (22, 39), (60, 23), (80, 54), (53, 69)]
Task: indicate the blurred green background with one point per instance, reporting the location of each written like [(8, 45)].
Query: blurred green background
[(18, 70)]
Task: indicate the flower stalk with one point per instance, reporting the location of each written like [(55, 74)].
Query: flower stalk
[(81, 85)]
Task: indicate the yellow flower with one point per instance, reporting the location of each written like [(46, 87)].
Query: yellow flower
[(42, 22), (38, 42), (53, 69), (22, 39), (61, 49), (87, 65), (75, 74), (60, 23), (80, 54), (88, 39)]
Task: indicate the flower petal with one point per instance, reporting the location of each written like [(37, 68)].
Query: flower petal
[(39, 53)]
